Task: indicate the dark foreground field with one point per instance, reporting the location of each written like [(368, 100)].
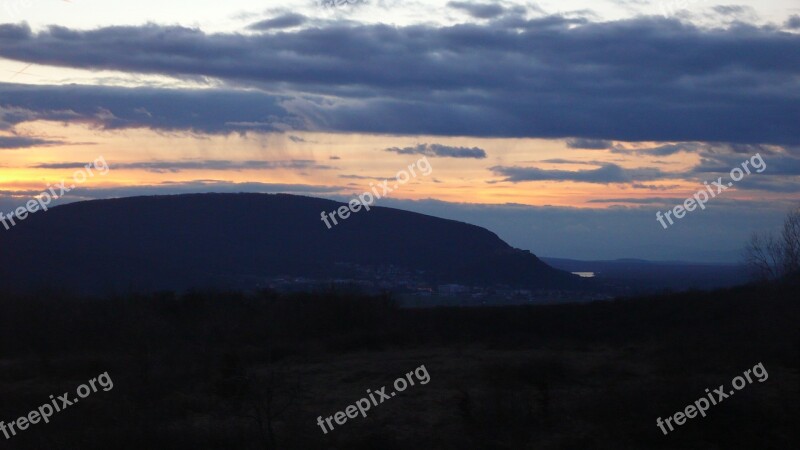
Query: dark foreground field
[(227, 371)]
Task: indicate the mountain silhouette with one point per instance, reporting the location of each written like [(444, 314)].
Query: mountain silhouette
[(218, 240)]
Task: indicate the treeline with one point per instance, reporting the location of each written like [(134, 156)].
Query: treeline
[(47, 324), (214, 370)]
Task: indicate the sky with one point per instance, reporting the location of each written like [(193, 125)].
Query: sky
[(562, 126)]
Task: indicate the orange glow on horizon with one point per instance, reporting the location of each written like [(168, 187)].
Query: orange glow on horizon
[(340, 161)]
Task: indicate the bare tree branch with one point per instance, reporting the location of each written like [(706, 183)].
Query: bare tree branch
[(774, 257)]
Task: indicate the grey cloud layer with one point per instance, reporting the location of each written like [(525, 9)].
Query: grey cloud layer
[(205, 111), (285, 21), (440, 150), (179, 166), (479, 10), (606, 174), (19, 142), (632, 80), (782, 173), (589, 144)]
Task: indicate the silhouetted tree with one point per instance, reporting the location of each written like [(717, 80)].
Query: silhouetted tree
[(774, 256)]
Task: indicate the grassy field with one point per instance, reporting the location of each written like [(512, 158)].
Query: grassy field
[(234, 371)]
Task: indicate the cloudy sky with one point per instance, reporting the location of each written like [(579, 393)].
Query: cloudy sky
[(563, 126)]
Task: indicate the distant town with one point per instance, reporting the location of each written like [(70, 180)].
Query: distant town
[(411, 289)]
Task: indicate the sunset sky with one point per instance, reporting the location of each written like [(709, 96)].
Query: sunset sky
[(562, 126)]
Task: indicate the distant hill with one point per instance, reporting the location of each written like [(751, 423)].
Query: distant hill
[(232, 240), (635, 276)]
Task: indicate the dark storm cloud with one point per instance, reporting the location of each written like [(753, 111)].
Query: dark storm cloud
[(201, 110), (606, 174), (550, 77), (445, 151), (288, 20), (179, 166), (793, 23), (12, 31)]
